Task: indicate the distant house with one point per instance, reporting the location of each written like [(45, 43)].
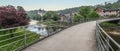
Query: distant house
[(107, 12), (63, 18), (99, 11), (67, 17)]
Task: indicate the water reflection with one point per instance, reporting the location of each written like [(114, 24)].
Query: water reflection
[(37, 29)]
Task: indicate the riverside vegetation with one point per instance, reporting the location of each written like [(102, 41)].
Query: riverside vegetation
[(113, 29)]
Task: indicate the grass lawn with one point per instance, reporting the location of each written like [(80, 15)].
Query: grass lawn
[(8, 43)]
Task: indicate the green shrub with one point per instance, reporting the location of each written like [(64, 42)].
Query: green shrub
[(107, 24)]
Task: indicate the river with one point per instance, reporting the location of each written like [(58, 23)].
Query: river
[(33, 27)]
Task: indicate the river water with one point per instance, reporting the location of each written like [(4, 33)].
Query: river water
[(33, 27)]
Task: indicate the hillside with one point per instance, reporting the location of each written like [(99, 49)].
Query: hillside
[(114, 5), (32, 13), (76, 9), (69, 10)]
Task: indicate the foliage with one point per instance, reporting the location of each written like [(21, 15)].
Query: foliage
[(32, 13), (36, 17), (69, 10), (54, 24), (77, 18), (108, 24), (111, 5), (84, 11), (11, 17), (93, 14), (18, 39), (50, 15)]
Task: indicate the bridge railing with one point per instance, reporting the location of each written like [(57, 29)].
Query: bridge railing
[(18, 38), (13, 39), (104, 41)]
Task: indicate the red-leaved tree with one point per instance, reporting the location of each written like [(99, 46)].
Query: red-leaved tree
[(12, 17)]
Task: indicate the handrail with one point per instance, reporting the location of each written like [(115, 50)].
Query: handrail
[(106, 36), (27, 37)]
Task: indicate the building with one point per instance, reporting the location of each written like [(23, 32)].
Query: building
[(107, 12), (99, 11), (63, 18), (67, 17)]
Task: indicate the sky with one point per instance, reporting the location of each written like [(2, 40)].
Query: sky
[(51, 4)]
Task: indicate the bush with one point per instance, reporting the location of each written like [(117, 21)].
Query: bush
[(107, 24), (51, 15), (77, 18), (93, 14), (11, 17)]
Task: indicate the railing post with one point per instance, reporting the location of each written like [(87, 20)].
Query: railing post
[(99, 43), (24, 36), (96, 33), (107, 44), (100, 47), (97, 38), (48, 31)]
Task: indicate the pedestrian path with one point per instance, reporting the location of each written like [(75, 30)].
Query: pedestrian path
[(80, 37)]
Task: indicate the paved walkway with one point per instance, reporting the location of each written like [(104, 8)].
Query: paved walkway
[(77, 38)]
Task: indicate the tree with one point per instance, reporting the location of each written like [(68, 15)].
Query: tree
[(112, 5), (108, 6), (77, 18), (50, 15), (93, 14), (11, 17), (55, 17), (22, 15), (84, 10), (37, 17)]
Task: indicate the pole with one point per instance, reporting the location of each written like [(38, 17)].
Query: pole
[(24, 36)]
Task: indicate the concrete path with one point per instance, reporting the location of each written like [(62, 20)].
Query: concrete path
[(77, 38)]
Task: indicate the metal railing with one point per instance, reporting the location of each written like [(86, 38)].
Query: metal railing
[(13, 39), (104, 41), (18, 38)]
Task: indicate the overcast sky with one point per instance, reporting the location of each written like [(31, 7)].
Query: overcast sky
[(51, 4)]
